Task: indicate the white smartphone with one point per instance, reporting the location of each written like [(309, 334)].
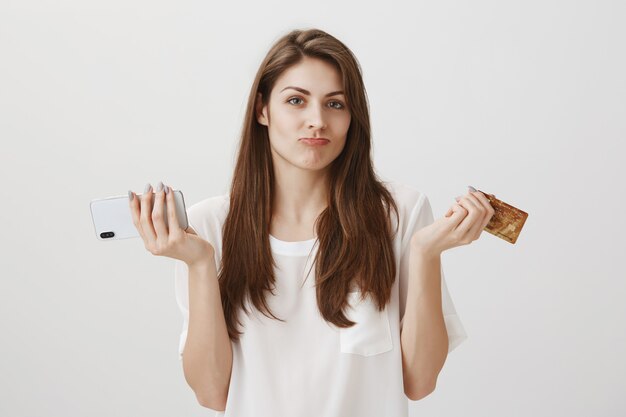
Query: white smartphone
[(112, 219)]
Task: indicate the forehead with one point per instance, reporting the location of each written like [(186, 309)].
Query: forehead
[(315, 75)]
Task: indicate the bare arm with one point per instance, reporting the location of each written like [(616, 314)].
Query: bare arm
[(207, 356), (424, 338)]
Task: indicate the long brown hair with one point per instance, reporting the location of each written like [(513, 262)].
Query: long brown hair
[(354, 232)]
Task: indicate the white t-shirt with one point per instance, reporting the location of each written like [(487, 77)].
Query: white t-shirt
[(306, 366)]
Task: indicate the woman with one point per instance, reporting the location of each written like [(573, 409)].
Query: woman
[(374, 323)]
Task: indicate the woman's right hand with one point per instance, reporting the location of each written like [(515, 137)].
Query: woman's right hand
[(166, 240)]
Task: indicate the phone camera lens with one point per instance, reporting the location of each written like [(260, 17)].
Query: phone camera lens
[(107, 235)]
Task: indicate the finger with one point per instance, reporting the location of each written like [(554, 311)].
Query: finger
[(466, 225), (487, 205), (480, 210), (458, 214), (133, 204), (454, 208), (172, 216), (158, 213), (146, 216)]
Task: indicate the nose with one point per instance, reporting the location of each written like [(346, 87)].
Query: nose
[(315, 118)]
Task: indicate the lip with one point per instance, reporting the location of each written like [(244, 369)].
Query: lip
[(315, 141)]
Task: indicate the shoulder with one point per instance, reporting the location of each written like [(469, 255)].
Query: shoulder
[(207, 215), (211, 206), (406, 197), (410, 202)]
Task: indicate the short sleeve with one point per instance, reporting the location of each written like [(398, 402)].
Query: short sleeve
[(181, 273), (421, 215)]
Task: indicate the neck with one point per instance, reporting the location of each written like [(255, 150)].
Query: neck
[(300, 195)]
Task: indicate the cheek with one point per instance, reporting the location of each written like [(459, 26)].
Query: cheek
[(343, 126), (344, 122), (285, 126)]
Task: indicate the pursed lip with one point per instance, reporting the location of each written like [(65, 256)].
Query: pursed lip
[(328, 140)]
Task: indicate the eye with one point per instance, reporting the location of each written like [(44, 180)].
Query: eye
[(293, 98), (339, 105)]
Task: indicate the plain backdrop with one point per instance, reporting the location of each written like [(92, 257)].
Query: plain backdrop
[(522, 99)]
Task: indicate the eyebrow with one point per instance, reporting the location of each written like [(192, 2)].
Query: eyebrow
[(306, 92)]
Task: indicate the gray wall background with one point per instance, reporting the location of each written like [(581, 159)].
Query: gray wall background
[(522, 99)]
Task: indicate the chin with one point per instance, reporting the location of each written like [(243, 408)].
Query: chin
[(316, 166)]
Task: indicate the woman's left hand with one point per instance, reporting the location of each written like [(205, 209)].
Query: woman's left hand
[(462, 224)]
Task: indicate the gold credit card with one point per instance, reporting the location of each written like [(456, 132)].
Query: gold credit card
[(507, 221)]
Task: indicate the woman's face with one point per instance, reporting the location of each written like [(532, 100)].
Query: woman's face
[(307, 101)]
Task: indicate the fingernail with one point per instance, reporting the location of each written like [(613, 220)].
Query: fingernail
[(148, 188), (457, 198), (130, 195), (159, 186), (472, 189), (167, 189)]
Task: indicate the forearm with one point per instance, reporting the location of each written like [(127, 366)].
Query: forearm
[(207, 357), (424, 339)]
